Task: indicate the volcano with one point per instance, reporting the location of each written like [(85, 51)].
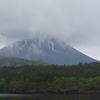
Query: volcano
[(50, 50)]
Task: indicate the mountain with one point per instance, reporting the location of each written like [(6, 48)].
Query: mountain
[(50, 50), (16, 62)]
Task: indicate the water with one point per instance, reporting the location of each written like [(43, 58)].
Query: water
[(48, 97)]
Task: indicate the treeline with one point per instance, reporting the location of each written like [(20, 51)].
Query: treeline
[(81, 78)]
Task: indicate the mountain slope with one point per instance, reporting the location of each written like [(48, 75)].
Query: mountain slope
[(49, 50), (16, 62)]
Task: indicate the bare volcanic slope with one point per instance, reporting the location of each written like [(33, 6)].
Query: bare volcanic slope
[(50, 50)]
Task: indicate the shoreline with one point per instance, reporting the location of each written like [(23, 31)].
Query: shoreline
[(53, 92)]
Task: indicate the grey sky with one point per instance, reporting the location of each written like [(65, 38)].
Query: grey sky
[(75, 21)]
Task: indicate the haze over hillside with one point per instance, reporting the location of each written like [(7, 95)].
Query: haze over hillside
[(50, 50), (16, 62)]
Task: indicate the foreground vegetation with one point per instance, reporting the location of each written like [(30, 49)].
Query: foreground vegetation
[(82, 78)]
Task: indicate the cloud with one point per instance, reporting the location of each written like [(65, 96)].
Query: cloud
[(50, 16)]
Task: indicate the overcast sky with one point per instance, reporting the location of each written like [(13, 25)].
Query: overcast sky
[(75, 21)]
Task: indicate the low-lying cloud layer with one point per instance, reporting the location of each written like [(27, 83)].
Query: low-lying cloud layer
[(75, 21)]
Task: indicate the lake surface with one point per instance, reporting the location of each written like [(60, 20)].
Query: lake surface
[(48, 97)]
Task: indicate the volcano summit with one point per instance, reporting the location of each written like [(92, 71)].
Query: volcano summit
[(50, 50)]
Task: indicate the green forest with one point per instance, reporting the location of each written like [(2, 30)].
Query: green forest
[(81, 78)]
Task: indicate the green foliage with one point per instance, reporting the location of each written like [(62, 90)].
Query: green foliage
[(82, 77)]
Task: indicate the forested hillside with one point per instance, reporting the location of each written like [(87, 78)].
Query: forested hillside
[(82, 78), (16, 62)]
